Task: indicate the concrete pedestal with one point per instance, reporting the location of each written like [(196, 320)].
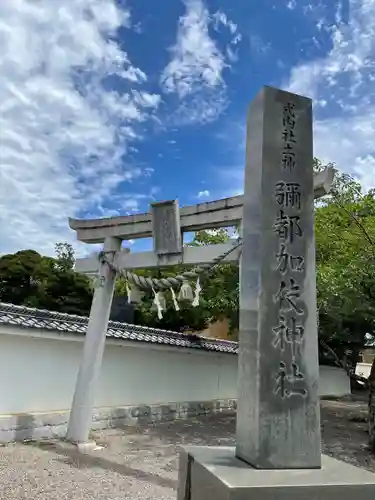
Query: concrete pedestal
[(214, 473)]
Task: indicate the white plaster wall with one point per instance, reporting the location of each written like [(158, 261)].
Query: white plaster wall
[(363, 369), (333, 382), (38, 374), (38, 371)]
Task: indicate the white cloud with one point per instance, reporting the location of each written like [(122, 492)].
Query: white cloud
[(343, 83), (62, 132), (195, 71), (196, 59), (258, 45), (221, 18), (126, 204), (203, 194)]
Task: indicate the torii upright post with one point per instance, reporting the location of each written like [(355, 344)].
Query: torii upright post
[(167, 241), (84, 394)]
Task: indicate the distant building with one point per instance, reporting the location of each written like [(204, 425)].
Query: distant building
[(121, 310), (220, 330), (367, 355)]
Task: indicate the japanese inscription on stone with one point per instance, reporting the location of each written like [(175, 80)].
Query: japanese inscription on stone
[(288, 160), (288, 333)]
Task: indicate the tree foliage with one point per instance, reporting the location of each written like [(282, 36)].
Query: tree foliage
[(345, 251), (221, 287), (345, 246), (64, 256), (30, 279)]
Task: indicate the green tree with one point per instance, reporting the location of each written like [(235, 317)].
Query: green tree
[(210, 237), (65, 258), (29, 279), (345, 249), (221, 286), (345, 236)]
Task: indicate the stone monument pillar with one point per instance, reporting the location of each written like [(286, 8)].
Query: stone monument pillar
[(277, 454), (278, 423)]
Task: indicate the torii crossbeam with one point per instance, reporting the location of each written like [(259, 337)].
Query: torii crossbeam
[(220, 213)]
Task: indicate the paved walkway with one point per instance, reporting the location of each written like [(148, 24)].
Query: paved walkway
[(142, 463)]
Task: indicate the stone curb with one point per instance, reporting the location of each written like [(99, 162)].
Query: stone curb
[(26, 427)]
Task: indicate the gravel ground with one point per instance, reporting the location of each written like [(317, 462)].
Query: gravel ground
[(141, 463)]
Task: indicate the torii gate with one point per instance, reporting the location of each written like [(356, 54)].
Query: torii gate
[(166, 224)]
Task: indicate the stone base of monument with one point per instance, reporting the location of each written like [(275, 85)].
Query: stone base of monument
[(214, 473)]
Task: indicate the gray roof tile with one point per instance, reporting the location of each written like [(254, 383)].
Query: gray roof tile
[(27, 317)]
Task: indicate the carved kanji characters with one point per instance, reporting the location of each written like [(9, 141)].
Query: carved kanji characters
[(288, 332), (288, 194), (288, 161), (287, 262), (287, 226), (288, 296), (288, 383)]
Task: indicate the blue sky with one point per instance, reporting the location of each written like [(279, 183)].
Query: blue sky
[(106, 106)]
